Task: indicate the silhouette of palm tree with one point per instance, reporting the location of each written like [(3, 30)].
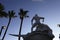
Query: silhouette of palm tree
[(2, 12), (11, 14), (22, 14)]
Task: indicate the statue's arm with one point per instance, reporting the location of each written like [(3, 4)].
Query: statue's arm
[(32, 20), (42, 18)]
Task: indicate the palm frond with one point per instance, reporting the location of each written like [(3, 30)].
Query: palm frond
[(23, 13), (3, 14), (11, 14), (1, 7)]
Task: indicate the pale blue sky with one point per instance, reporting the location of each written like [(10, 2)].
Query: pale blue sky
[(50, 9)]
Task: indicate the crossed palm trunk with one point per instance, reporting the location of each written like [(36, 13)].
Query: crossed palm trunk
[(6, 29)]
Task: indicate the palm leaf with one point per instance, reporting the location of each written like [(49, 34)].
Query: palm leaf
[(11, 14), (23, 13), (2, 12), (1, 7)]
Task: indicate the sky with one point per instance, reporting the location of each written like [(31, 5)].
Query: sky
[(49, 9)]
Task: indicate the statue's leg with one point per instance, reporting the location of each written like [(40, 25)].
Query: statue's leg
[(33, 26), (31, 29)]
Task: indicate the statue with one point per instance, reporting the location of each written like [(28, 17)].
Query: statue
[(37, 21), (41, 27)]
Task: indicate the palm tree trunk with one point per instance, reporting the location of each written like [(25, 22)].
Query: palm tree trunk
[(20, 29), (6, 29), (1, 30)]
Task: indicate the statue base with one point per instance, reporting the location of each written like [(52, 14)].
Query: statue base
[(36, 35)]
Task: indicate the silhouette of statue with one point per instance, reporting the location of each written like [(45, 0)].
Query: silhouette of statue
[(37, 21), (41, 27)]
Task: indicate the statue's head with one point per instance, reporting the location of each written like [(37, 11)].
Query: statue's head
[(36, 14)]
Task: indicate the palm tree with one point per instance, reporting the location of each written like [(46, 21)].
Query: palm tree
[(2, 12), (22, 15), (11, 14)]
